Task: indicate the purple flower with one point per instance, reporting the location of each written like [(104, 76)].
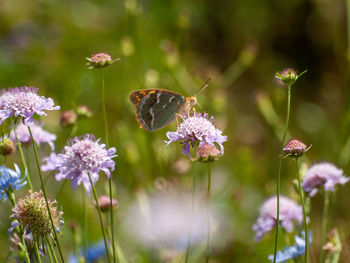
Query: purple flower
[(51, 163), (10, 180), (39, 134), (82, 156), (289, 211), (323, 174), (24, 102), (196, 129)]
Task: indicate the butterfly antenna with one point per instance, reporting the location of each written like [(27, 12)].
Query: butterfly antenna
[(200, 106), (205, 85)]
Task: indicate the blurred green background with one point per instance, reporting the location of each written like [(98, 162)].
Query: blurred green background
[(177, 45)]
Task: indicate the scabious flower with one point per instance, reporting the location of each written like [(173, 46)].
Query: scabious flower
[(24, 102), (294, 148), (93, 253), (288, 76), (105, 203), (31, 212), (100, 60), (7, 146), (198, 129), (208, 153), (68, 118), (10, 180), (39, 134), (289, 211), (83, 156), (323, 174), (294, 251)]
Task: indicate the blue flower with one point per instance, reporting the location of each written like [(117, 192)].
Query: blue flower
[(10, 180), (293, 251), (93, 253)]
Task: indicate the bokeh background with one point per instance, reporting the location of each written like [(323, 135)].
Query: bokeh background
[(178, 45)]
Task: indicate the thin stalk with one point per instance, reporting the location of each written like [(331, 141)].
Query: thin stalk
[(208, 214), (84, 233), (51, 251), (100, 217), (303, 205), (110, 178), (279, 171), (324, 224), (45, 196), (36, 251), (193, 199), (24, 163), (348, 25)]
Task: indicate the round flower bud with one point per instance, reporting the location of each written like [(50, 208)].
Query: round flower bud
[(105, 204), (68, 118), (84, 111), (7, 147), (295, 148), (288, 76), (100, 60), (31, 212), (208, 153)]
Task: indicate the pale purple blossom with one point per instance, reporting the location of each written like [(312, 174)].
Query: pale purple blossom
[(290, 211), (24, 102), (39, 134), (197, 129), (323, 174), (83, 156)]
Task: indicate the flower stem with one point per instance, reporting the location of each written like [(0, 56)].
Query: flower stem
[(208, 214), (100, 217), (37, 254), (110, 178), (324, 224), (24, 163), (45, 196), (279, 171), (303, 205), (84, 234), (51, 250), (193, 199)]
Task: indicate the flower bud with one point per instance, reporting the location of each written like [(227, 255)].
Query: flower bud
[(7, 147), (100, 60), (295, 148), (208, 153), (68, 118), (105, 204), (288, 76), (84, 111)]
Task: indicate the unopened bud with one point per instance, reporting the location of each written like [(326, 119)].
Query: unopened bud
[(208, 153), (105, 204), (100, 60), (68, 118), (7, 147), (84, 111), (294, 148), (288, 76)]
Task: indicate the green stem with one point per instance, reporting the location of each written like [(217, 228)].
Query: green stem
[(36, 251), (100, 217), (24, 163), (348, 25), (324, 224), (279, 171), (84, 234), (193, 199), (303, 205), (51, 250), (110, 178), (44, 192), (208, 214)]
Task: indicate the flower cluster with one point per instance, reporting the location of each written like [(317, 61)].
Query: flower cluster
[(323, 174), (198, 129), (10, 180), (24, 102), (289, 211), (100, 60), (83, 156), (31, 212), (294, 148), (39, 134)]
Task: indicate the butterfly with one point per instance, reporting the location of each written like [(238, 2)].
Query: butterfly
[(157, 108)]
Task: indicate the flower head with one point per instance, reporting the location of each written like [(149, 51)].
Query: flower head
[(100, 60), (288, 76), (83, 156), (7, 146), (93, 253), (84, 111), (294, 251), (294, 148), (24, 102), (323, 174), (208, 153), (10, 180), (39, 134), (289, 211), (105, 203), (32, 213), (67, 118), (198, 129)]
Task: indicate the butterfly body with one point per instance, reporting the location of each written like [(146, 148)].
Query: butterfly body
[(156, 108)]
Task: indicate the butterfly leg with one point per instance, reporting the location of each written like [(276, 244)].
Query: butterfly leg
[(177, 116)]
